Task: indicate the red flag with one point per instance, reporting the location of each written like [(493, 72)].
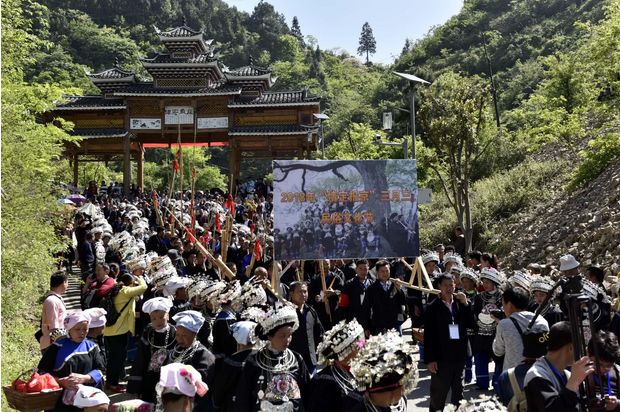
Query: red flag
[(218, 225), (155, 201), (258, 251), (175, 166), (230, 205)]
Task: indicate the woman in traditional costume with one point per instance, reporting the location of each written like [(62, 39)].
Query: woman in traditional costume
[(275, 377), (385, 372), (224, 386), (188, 349), (73, 360), (224, 343), (484, 303), (157, 339), (334, 388)]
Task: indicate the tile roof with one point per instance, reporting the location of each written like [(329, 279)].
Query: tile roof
[(113, 73), (162, 58), (90, 103), (277, 98), (249, 71), (101, 133), (282, 129), (181, 31), (147, 89)]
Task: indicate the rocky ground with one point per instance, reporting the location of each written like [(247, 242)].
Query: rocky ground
[(585, 223)]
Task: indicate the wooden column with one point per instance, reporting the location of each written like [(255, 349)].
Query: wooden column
[(235, 165), (76, 170), (126, 164), (141, 169)]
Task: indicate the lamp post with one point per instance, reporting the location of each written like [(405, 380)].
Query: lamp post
[(404, 144), (320, 117), (413, 79)]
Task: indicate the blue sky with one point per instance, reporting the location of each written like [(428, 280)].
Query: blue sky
[(338, 23)]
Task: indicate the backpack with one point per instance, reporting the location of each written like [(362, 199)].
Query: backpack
[(518, 403), (107, 303)]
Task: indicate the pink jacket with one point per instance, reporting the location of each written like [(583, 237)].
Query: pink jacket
[(53, 317)]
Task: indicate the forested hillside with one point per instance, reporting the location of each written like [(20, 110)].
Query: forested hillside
[(544, 72)]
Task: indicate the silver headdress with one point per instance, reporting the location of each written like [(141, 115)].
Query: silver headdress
[(340, 341)]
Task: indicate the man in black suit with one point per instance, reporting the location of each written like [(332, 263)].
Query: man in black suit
[(353, 293), (384, 303), (445, 342)]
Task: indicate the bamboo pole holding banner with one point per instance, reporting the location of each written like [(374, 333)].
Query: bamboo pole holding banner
[(418, 271), (328, 309), (218, 261)]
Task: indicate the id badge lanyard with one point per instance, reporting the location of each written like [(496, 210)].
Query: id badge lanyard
[(453, 328)]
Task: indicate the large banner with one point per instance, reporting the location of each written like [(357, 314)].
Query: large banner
[(345, 209)]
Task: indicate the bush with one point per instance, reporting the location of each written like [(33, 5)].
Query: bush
[(493, 199), (599, 154)]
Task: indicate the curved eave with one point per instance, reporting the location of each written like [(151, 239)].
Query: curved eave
[(233, 77), (240, 106), (77, 108), (126, 79), (296, 133), (160, 94)]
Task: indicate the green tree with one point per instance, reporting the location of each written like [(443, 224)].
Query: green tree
[(30, 214), (368, 44), (296, 31), (454, 115)]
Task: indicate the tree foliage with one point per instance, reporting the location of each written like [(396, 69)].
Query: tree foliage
[(455, 115), (368, 44), (30, 153)]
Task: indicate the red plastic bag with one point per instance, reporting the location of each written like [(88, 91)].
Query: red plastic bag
[(48, 382), (19, 385), (34, 384)]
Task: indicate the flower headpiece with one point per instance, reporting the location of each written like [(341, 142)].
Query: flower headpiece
[(493, 275), (481, 404), (470, 274), (541, 284), (209, 293), (162, 276), (521, 279), (277, 317), (430, 257), (454, 258), (340, 341), (254, 314), (228, 293), (252, 294), (196, 288), (137, 263), (386, 361), (457, 269)]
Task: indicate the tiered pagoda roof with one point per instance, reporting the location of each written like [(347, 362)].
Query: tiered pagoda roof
[(112, 79), (251, 78)]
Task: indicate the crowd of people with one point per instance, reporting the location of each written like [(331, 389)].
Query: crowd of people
[(186, 291)]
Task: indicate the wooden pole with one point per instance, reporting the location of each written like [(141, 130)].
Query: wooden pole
[(328, 309)]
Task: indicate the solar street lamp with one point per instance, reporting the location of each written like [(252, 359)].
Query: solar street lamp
[(412, 79)]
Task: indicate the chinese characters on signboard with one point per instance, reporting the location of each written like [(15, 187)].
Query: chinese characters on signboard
[(212, 123), (145, 123), (345, 209), (179, 115)]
